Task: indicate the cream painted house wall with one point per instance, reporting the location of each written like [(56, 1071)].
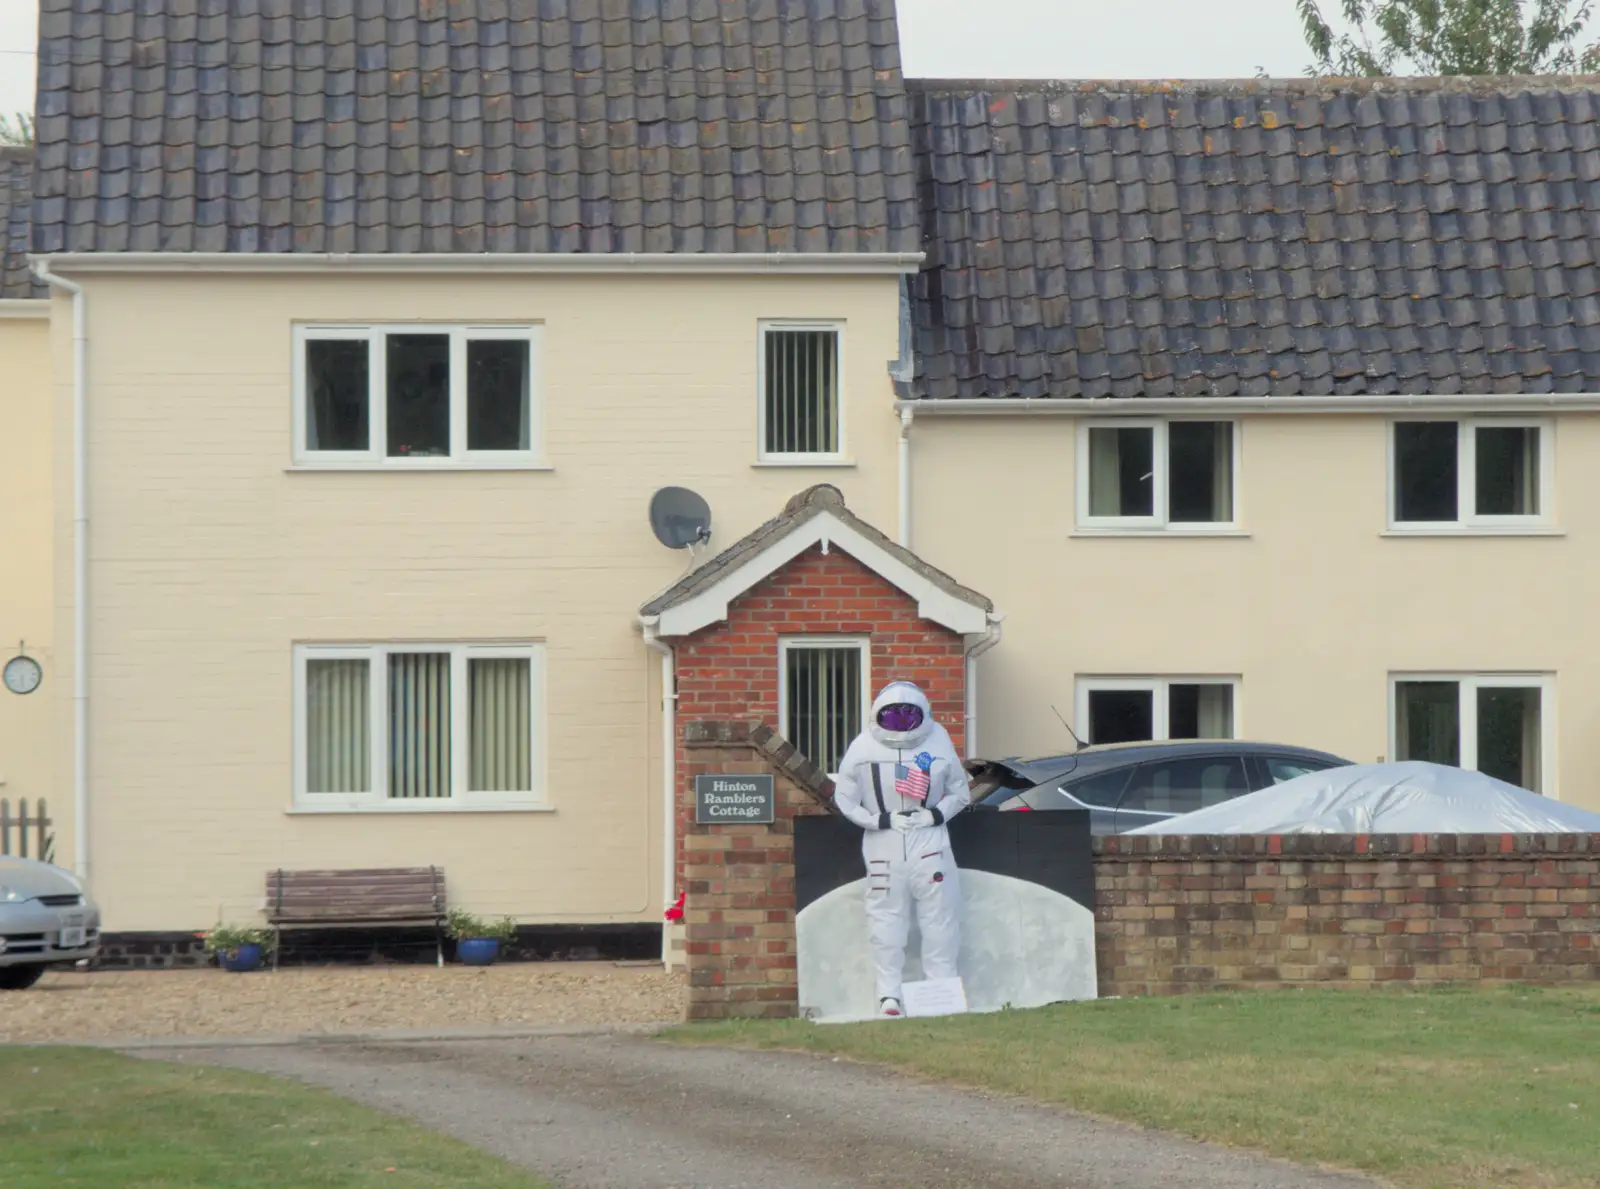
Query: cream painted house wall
[(1314, 609), (25, 573), (210, 559)]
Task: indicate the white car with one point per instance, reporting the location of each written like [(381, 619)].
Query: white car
[(46, 919)]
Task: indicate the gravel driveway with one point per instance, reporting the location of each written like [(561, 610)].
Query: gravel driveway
[(123, 1005), (632, 1113)]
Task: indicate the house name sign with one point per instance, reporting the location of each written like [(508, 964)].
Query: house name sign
[(722, 800)]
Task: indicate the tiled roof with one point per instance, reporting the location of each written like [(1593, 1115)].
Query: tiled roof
[(16, 183), (810, 503), (1257, 238), (472, 126)]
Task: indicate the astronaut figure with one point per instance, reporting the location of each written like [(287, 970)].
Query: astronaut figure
[(901, 781)]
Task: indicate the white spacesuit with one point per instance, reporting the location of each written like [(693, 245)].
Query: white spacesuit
[(900, 781)]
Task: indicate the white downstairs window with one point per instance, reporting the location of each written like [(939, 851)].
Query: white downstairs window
[(1160, 476), (404, 395), (406, 727), (825, 694), (1137, 709), (1483, 474), (1499, 725)]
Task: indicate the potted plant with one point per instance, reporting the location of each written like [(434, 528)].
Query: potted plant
[(238, 948), (478, 941)]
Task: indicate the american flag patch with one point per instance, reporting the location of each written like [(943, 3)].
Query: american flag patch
[(913, 784)]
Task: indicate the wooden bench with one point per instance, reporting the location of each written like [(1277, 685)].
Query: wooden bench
[(368, 896)]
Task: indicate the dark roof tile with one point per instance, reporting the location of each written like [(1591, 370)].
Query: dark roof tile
[(1313, 237), (465, 78), (16, 190)]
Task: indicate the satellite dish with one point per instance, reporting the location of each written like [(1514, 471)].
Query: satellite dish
[(679, 518)]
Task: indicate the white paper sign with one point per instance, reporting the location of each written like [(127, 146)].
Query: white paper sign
[(934, 997)]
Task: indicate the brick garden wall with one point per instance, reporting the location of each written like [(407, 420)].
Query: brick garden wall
[(1194, 914), (739, 912), (1175, 914)]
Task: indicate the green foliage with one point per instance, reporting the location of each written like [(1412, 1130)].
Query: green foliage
[(226, 939), (16, 131), (1449, 37), (463, 926)]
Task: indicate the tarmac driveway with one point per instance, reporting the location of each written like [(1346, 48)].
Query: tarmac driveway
[(628, 1112)]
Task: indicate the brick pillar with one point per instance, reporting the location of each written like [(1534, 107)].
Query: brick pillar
[(739, 910)]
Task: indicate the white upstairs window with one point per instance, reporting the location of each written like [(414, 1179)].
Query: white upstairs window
[(1172, 476), (1477, 474), (403, 395), (801, 411)]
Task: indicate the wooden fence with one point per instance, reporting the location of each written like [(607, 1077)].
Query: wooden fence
[(27, 836)]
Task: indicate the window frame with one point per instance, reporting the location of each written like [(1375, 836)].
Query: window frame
[(462, 798), (764, 457), (1161, 522), (376, 456), (1160, 705), (788, 644), (1467, 520), (1467, 686)]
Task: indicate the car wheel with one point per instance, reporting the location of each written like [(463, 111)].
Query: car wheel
[(19, 978)]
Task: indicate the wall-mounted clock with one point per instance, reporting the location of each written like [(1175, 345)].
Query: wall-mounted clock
[(23, 675)]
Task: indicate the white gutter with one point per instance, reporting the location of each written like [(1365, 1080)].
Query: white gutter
[(1575, 402), (24, 307), (904, 539), (669, 780), (989, 640), (80, 569), (677, 263)]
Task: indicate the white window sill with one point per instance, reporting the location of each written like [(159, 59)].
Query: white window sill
[(1475, 530), (421, 805), (1165, 533), (412, 468), (803, 463)]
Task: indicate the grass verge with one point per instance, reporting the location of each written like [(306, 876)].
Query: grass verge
[(84, 1117), (1432, 1089)]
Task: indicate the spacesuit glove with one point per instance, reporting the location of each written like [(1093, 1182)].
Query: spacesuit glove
[(914, 819)]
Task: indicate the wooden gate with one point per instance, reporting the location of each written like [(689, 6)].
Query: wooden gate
[(25, 835)]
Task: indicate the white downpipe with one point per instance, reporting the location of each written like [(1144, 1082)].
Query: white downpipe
[(669, 783), (905, 477), (989, 640), (80, 570)]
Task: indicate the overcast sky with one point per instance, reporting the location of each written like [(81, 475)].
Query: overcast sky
[(982, 39)]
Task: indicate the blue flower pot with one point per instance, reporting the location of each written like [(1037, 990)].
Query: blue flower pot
[(246, 957), (477, 951)]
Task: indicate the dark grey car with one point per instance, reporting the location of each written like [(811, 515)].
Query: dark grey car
[(1126, 785)]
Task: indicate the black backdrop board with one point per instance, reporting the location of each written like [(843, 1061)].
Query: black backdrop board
[(1027, 884), (1052, 849)]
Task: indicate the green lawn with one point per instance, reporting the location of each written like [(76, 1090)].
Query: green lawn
[(81, 1117), (1437, 1090)]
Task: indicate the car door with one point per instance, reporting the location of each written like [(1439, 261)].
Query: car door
[(1098, 793), (1165, 788)]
